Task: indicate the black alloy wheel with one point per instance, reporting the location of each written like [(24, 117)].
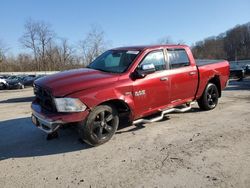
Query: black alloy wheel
[(212, 96), (100, 126), (209, 98)]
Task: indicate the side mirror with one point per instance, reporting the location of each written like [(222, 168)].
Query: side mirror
[(143, 71)]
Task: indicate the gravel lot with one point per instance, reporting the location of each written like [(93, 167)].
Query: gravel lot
[(193, 149)]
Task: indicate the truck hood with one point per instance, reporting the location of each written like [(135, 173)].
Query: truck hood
[(66, 82)]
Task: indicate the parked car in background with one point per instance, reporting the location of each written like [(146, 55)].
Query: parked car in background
[(40, 76), (18, 81), (28, 80), (3, 83), (15, 82), (237, 72), (5, 76), (247, 70)]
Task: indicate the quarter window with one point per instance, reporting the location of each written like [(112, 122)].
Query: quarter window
[(177, 58)]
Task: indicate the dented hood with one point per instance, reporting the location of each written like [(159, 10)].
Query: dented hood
[(67, 82)]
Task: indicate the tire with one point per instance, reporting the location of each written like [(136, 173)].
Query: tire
[(2, 85), (209, 98), (100, 125)]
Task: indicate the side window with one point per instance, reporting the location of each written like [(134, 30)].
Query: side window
[(177, 58), (156, 58)]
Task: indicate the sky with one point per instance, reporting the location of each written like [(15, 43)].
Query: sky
[(125, 22)]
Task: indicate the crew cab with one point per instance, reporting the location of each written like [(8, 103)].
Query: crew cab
[(132, 82)]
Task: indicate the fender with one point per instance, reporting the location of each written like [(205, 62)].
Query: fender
[(96, 96)]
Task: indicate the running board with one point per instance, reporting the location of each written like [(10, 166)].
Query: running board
[(163, 113)]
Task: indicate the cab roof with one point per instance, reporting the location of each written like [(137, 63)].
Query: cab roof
[(151, 47)]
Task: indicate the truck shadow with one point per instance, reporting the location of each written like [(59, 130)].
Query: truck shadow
[(20, 138)]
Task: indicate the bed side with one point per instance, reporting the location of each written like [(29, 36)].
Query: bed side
[(216, 72)]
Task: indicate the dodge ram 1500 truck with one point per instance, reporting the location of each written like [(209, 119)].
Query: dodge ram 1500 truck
[(132, 82)]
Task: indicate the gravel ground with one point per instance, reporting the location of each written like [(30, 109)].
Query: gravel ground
[(192, 149)]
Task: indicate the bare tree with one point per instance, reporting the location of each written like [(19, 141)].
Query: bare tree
[(3, 50), (234, 44), (37, 36), (66, 52), (164, 40), (93, 45), (60, 56)]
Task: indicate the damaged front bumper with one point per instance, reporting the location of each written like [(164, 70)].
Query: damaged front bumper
[(47, 125), (50, 122)]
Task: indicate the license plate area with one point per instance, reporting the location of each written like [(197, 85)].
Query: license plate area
[(35, 121)]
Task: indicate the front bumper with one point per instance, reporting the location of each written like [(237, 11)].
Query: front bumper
[(47, 125), (50, 122)]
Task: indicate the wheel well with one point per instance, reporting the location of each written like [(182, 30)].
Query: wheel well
[(121, 106), (216, 81)]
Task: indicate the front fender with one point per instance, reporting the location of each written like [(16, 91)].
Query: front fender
[(96, 96)]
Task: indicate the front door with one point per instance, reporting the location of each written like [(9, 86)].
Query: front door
[(152, 91)]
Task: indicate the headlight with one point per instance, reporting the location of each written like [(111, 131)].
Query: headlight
[(69, 105)]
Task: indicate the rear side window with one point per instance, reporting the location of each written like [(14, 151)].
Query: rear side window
[(156, 58), (177, 58)]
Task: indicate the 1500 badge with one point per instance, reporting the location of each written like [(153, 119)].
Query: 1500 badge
[(139, 93)]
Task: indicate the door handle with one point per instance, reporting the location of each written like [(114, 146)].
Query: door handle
[(164, 79), (192, 73)]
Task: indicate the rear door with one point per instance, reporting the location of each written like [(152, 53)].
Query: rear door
[(182, 74), (152, 91)]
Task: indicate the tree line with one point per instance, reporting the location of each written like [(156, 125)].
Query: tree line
[(234, 44), (48, 52)]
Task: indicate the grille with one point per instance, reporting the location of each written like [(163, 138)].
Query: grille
[(44, 99)]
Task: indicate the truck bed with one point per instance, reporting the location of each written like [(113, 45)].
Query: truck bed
[(218, 69), (201, 62)]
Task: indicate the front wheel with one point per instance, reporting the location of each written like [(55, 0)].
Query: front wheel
[(209, 98), (2, 86), (100, 125)]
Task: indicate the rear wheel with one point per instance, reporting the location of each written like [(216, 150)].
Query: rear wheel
[(100, 125), (209, 98)]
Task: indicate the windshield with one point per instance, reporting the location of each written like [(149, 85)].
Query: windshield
[(115, 61)]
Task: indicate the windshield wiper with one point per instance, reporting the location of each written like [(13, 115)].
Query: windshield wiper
[(103, 70)]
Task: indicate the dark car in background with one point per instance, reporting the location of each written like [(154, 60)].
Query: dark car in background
[(20, 81), (238, 73), (247, 70), (15, 82), (29, 80)]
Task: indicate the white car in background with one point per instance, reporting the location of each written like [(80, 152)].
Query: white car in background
[(3, 83)]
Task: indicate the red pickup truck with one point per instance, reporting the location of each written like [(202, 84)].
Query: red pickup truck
[(131, 82)]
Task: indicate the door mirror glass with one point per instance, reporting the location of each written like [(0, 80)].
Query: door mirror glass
[(145, 70), (148, 67)]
